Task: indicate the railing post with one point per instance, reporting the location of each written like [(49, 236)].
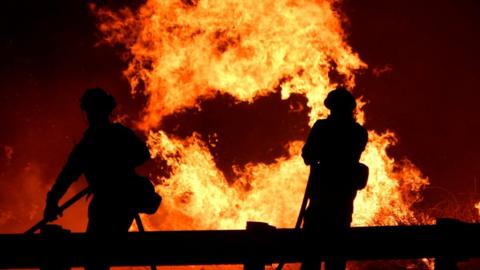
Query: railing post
[(446, 260), (55, 261), (256, 230)]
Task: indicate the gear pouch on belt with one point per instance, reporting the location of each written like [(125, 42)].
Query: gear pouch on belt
[(361, 173), (144, 198)]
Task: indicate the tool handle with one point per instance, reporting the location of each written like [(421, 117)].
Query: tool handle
[(64, 206), (303, 208), (138, 220)]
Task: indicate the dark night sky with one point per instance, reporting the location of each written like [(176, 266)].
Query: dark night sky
[(428, 95), (430, 98)]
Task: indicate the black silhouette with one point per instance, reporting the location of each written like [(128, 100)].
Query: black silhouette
[(333, 149), (44, 222), (107, 155)]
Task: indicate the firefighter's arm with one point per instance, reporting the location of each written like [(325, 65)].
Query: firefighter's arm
[(310, 148), (144, 152), (312, 177), (137, 149), (362, 143), (70, 172)]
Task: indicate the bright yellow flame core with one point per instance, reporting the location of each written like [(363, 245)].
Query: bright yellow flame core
[(179, 54)]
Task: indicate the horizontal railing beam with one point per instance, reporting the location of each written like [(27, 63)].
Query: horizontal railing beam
[(265, 245)]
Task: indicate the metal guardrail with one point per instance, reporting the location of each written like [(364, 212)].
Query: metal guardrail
[(259, 245)]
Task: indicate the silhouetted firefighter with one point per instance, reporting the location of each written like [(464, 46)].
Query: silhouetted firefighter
[(107, 155), (333, 149)]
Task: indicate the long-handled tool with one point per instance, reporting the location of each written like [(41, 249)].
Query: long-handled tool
[(69, 203), (64, 206), (141, 229), (303, 208)]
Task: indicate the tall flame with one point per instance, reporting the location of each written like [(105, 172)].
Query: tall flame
[(182, 52)]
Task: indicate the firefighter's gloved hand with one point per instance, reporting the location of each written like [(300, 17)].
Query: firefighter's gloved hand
[(52, 211)]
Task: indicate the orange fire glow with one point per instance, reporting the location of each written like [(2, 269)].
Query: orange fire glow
[(182, 52)]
